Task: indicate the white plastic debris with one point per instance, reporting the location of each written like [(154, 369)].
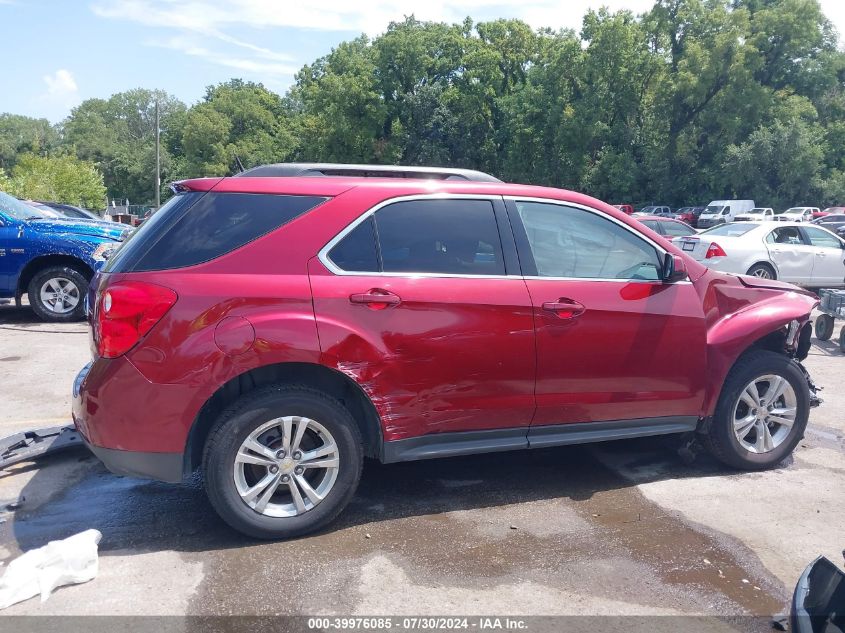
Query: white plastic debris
[(67, 562)]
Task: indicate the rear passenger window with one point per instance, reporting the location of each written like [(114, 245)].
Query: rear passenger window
[(216, 224), (450, 237), (786, 235), (440, 236), (356, 252)]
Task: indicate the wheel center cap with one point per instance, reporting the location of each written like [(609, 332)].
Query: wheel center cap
[(286, 465)]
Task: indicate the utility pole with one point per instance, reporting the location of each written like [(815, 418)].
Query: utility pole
[(158, 161)]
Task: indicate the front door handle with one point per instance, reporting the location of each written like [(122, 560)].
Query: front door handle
[(565, 308), (376, 299)]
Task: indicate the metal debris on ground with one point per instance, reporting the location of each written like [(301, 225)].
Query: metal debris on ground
[(28, 445)]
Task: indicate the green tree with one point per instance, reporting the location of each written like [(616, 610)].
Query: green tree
[(779, 164), (235, 118), (58, 178), (20, 135), (118, 134)]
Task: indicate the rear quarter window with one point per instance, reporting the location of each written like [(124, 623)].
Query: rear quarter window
[(194, 228)]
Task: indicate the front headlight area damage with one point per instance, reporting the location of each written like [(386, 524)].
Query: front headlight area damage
[(797, 343)]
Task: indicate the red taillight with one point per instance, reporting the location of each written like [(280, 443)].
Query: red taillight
[(715, 251), (126, 311)]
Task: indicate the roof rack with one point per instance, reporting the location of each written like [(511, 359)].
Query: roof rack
[(365, 171)]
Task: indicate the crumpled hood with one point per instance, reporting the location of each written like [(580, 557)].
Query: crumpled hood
[(771, 284), (118, 232)]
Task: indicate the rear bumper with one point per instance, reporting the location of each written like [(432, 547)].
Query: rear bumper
[(110, 415), (161, 466)]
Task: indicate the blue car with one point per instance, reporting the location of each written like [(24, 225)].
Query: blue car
[(51, 260)]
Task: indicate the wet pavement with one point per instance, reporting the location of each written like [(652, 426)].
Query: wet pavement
[(624, 528)]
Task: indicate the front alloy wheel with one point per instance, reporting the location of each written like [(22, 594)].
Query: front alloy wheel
[(286, 466), (764, 413), (60, 295)]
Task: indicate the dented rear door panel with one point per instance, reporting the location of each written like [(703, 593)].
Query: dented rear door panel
[(456, 354)]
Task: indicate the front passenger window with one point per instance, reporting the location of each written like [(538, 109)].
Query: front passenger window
[(821, 238), (577, 244)]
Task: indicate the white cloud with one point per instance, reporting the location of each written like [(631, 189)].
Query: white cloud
[(211, 17), (61, 87), (369, 16), (263, 65)]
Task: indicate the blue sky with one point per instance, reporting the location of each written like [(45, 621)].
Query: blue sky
[(59, 52)]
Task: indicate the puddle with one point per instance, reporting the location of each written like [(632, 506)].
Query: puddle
[(556, 517)]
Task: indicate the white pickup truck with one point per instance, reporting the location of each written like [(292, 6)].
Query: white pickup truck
[(757, 214)]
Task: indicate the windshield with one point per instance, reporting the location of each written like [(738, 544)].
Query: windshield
[(45, 210), (713, 210), (17, 210), (734, 229), (756, 212)]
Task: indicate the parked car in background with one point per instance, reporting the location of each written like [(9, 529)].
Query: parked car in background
[(832, 221), (364, 339), (49, 259), (662, 211), (828, 211), (625, 208), (666, 226), (689, 215), (757, 214), (799, 253), (722, 211), (49, 211), (70, 211), (798, 214)]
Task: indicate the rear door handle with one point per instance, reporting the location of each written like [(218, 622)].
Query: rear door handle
[(376, 299), (565, 308)]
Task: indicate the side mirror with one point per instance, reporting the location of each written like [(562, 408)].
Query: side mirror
[(674, 268)]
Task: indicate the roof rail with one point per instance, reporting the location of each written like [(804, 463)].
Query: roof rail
[(365, 171)]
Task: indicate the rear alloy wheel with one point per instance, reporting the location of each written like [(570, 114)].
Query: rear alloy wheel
[(282, 461), (763, 271), (824, 327), (762, 412), (842, 340), (286, 466), (58, 294)]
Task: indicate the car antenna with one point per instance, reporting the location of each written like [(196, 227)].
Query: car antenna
[(239, 164)]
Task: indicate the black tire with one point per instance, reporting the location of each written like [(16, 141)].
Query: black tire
[(247, 414), (721, 440), (44, 311), (824, 327), (756, 269), (842, 340)]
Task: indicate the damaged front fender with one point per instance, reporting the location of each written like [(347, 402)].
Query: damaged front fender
[(742, 313)]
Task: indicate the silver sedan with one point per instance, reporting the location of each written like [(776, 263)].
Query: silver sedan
[(799, 253)]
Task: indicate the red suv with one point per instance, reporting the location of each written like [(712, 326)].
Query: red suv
[(275, 328)]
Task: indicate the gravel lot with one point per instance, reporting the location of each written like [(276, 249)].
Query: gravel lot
[(623, 528)]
